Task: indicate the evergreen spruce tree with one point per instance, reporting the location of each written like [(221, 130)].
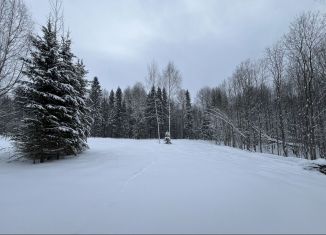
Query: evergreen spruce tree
[(96, 101), (8, 116), (105, 112), (111, 114), (188, 119), (117, 122), (159, 98), (165, 118), (125, 128), (85, 120), (48, 100), (70, 84), (131, 122), (151, 114)]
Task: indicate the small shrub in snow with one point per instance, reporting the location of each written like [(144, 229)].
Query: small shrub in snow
[(167, 138)]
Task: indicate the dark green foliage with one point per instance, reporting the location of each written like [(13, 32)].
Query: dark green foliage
[(105, 111), (164, 112), (85, 121), (151, 114), (8, 115), (49, 101), (118, 115), (95, 106), (188, 119), (111, 114)]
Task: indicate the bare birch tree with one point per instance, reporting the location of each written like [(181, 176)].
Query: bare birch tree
[(171, 81)]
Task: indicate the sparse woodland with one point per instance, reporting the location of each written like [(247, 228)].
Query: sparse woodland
[(275, 104)]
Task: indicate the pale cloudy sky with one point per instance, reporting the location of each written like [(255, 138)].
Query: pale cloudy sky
[(205, 38)]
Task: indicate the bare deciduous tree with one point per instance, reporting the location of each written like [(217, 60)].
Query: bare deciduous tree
[(276, 65), (303, 46), (152, 81), (171, 81), (15, 29), (57, 15)]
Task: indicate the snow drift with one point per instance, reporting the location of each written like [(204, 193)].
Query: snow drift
[(129, 186)]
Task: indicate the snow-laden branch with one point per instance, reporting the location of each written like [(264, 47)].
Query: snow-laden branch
[(217, 113)]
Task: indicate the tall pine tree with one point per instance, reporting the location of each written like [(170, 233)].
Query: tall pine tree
[(159, 98), (125, 128), (95, 105), (105, 112), (188, 118), (118, 115), (150, 114), (111, 114), (165, 117)]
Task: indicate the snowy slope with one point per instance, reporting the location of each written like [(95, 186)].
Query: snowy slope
[(129, 186)]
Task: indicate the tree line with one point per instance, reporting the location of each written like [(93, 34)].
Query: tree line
[(142, 113), (275, 104)]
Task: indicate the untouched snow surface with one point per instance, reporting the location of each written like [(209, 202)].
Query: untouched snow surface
[(129, 186)]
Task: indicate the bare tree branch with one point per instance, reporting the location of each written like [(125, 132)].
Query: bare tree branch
[(15, 29)]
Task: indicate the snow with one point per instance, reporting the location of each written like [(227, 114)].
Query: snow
[(130, 186)]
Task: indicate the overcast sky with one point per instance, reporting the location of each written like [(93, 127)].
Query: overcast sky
[(205, 38)]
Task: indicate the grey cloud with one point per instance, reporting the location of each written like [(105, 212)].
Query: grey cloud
[(205, 38)]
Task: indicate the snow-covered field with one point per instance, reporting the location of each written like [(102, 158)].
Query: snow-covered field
[(129, 186)]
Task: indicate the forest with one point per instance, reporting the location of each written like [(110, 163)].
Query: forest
[(274, 104)]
